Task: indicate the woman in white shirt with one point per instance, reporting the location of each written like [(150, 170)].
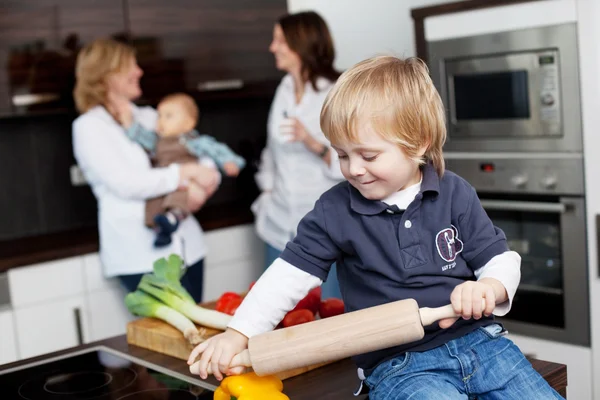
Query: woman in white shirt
[(297, 165), (120, 173)]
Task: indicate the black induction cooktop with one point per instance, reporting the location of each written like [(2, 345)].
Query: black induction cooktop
[(99, 374)]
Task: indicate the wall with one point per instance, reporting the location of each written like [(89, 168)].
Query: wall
[(498, 19), (353, 23)]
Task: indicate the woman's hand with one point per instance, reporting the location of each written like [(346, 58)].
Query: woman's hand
[(298, 133), (467, 298), (218, 351), (196, 197), (205, 177)]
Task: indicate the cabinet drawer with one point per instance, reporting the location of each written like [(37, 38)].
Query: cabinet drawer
[(8, 343), (51, 326), (47, 281), (233, 243)]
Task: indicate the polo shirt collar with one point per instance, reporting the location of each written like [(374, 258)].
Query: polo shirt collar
[(361, 205)]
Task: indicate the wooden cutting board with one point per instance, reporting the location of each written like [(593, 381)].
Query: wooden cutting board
[(157, 335)]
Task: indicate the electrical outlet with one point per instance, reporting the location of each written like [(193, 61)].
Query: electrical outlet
[(77, 177)]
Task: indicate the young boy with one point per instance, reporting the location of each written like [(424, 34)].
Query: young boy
[(176, 141), (398, 228)]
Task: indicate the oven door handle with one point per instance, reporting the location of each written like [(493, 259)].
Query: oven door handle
[(527, 206)]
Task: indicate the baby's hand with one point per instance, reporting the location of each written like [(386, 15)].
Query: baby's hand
[(466, 300), (231, 168), (218, 351)]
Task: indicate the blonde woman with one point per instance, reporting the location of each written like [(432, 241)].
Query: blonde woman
[(120, 173)]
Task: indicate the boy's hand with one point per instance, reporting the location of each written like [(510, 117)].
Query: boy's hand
[(231, 168), (467, 298), (218, 351)]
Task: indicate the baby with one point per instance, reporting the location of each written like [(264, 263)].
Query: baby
[(177, 141)]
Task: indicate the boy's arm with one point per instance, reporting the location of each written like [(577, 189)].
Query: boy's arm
[(144, 137), (506, 269), (486, 250), (277, 291), (208, 146), (303, 265)]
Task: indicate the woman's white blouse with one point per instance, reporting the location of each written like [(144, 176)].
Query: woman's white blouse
[(122, 178), (290, 176)]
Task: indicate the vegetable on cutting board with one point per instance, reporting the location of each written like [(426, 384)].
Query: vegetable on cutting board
[(139, 303), (297, 317), (331, 307), (163, 287), (228, 303), (250, 387)]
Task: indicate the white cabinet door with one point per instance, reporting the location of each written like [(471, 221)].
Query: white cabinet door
[(94, 278), (235, 259), (107, 312), (8, 344), (51, 326), (39, 283), (578, 360), (232, 276)]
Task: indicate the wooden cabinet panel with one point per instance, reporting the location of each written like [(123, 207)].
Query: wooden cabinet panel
[(183, 43), (39, 40)]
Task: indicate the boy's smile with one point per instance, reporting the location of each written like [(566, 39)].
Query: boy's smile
[(375, 166)]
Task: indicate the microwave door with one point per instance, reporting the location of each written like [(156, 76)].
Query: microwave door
[(503, 96)]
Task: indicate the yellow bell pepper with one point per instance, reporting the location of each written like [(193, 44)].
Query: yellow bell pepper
[(250, 387)]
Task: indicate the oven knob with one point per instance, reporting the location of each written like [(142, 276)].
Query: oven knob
[(547, 99), (549, 182), (519, 181)]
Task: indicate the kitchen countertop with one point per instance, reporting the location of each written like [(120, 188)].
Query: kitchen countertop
[(54, 246), (334, 381)]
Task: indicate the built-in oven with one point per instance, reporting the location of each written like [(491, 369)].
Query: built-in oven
[(510, 91), (539, 204)]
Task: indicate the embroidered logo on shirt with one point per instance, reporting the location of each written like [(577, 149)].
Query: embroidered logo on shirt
[(448, 244)]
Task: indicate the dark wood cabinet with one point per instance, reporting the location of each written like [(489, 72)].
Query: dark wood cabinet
[(39, 41), (179, 45), (182, 44)]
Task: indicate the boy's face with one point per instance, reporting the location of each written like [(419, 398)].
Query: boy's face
[(173, 119), (376, 167)]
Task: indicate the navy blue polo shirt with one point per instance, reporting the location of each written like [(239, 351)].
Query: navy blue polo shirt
[(383, 255)]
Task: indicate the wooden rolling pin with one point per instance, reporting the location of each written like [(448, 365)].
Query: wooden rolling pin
[(338, 337)]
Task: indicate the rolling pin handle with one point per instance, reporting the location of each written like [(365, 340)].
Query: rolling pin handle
[(430, 315), (240, 360)]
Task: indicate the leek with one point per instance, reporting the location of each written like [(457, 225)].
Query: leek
[(139, 303), (165, 285)]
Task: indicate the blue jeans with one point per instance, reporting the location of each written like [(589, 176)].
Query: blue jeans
[(482, 364), (192, 280), (329, 288)]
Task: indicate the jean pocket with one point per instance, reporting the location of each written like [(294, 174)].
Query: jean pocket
[(494, 331), (388, 368)]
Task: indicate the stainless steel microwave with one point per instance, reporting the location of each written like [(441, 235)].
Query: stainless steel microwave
[(510, 91)]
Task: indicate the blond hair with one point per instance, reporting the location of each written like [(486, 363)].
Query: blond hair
[(186, 101), (397, 98), (95, 62)]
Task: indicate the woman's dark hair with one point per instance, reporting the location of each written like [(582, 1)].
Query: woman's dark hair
[(307, 34)]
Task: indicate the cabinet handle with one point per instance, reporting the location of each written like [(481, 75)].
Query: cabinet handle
[(77, 314), (598, 241)]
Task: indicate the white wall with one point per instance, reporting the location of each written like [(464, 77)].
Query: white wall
[(364, 28), (588, 15), (500, 19)]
